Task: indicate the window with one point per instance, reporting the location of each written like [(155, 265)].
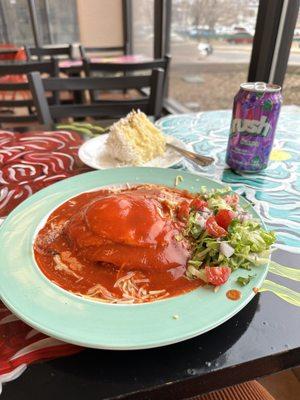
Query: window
[(56, 24), (143, 27), (291, 84), (211, 43), (15, 22)]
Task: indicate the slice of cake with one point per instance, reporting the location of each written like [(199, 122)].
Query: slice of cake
[(135, 140)]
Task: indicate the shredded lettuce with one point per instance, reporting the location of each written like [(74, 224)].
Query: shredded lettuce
[(193, 228), (218, 203), (251, 243), (243, 281), (248, 237), (214, 193)]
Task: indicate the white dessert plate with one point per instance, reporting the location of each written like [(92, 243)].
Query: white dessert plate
[(94, 153)]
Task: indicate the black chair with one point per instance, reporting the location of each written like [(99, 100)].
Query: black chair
[(86, 51), (63, 51), (151, 105), (9, 90), (126, 69)]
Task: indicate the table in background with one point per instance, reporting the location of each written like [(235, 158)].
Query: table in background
[(74, 67), (261, 339)]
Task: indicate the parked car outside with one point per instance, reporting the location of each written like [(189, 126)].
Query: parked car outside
[(240, 38)]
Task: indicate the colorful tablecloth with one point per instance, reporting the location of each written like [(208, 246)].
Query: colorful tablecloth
[(29, 162), (33, 160), (275, 193)]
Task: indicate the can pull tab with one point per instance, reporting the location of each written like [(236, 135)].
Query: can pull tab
[(260, 86)]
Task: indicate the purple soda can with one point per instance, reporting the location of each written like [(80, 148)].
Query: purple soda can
[(255, 113)]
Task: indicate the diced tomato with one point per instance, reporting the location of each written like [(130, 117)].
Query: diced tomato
[(217, 275), (224, 218), (213, 228), (198, 204), (232, 199), (183, 211)]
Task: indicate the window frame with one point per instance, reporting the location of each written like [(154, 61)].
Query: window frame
[(274, 31)]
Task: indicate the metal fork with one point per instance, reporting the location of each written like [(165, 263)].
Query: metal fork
[(204, 161)]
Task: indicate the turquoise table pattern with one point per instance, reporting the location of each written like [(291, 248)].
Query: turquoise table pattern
[(275, 192)]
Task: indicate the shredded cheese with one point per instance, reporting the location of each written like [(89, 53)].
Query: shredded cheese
[(178, 180)]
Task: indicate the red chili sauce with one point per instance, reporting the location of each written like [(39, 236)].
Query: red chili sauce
[(103, 235)]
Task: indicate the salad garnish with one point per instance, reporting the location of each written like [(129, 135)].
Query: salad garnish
[(224, 235), (243, 281)]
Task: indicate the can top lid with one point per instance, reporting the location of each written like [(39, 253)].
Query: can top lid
[(260, 87)]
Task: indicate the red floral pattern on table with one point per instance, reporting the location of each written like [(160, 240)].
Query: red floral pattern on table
[(20, 344), (34, 160), (29, 162)]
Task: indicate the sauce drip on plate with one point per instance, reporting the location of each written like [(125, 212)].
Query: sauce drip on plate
[(233, 294)]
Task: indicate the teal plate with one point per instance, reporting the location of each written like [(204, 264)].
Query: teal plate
[(58, 313)]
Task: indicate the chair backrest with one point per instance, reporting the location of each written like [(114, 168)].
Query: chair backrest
[(15, 90), (49, 52), (86, 50), (126, 68), (151, 104)]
